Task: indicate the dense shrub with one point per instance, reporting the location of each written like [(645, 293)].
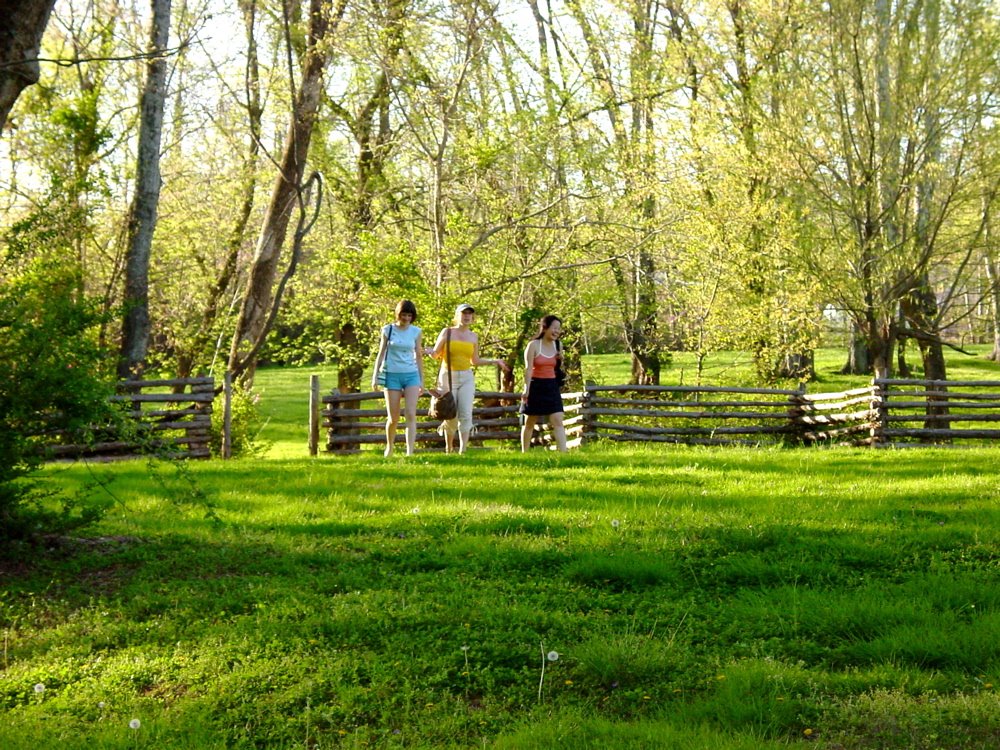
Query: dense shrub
[(246, 424), (54, 377)]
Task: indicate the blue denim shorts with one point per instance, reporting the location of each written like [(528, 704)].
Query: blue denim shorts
[(398, 381)]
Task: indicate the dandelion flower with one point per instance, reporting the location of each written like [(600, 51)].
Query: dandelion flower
[(569, 682), (615, 523), (134, 724), (807, 732), (552, 656), (465, 648), (39, 688)]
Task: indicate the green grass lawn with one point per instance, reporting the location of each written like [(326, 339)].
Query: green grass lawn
[(616, 597)]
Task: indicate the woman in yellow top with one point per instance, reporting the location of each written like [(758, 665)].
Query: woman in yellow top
[(461, 356)]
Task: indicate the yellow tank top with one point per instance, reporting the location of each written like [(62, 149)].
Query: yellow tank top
[(461, 355)]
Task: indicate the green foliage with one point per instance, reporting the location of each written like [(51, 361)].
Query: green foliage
[(360, 287), (53, 374), (245, 426)]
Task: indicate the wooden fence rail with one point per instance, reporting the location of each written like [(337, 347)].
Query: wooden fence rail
[(937, 411), (172, 417), (889, 412), (350, 422)]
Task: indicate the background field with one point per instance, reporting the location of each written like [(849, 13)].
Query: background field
[(689, 598), (284, 392)]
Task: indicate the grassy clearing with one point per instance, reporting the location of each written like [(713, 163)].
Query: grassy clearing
[(696, 599)]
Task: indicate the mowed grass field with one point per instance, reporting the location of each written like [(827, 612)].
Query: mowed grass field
[(615, 597)]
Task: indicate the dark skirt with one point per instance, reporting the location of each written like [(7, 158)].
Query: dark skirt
[(543, 398)]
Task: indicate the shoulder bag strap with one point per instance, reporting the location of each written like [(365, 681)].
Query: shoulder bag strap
[(388, 338), (447, 358)]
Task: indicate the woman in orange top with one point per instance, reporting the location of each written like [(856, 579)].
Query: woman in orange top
[(541, 396), (460, 357)]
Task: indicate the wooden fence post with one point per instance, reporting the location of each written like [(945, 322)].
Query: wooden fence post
[(314, 409), (880, 405), (227, 415), (796, 407), (588, 417), (333, 426)]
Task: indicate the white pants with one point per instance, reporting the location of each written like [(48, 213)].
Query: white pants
[(464, 390)]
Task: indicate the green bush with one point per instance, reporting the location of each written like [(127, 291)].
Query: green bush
[(54, 378), (245, 426)]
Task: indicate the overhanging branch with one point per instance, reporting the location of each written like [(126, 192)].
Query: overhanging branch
[(540, 271)]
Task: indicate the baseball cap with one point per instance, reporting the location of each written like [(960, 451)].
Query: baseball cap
[(463, 307)]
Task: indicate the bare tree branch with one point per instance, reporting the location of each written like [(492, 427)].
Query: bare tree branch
[(540, 271)]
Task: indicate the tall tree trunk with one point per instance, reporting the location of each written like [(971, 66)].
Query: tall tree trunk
[(251, 327), (187, 357), (635, 146), (993, 276), (20, 39), (372, 130), (922, 302), (859, 358), (142, 215)]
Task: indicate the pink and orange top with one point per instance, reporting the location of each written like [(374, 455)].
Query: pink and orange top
[(543, 367)]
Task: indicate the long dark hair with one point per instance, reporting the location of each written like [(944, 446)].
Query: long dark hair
[(546, 323)]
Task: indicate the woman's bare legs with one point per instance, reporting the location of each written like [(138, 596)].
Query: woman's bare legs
[(558, 430), (411, 393), (392, 418), (527, 429), (555, 423)]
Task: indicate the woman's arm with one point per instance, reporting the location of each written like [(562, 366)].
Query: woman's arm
[(379, 359), (419, 349), (529, 363), (438, 351), (476, 360)]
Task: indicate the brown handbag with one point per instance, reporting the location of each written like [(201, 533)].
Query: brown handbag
[(443, 407)]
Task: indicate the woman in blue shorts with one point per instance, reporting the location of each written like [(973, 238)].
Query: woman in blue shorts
[(399, 353)]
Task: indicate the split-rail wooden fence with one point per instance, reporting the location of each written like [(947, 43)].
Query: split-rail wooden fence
[(172, 418), (888, 412)]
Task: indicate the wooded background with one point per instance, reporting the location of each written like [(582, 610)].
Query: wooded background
[(265, 179)]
